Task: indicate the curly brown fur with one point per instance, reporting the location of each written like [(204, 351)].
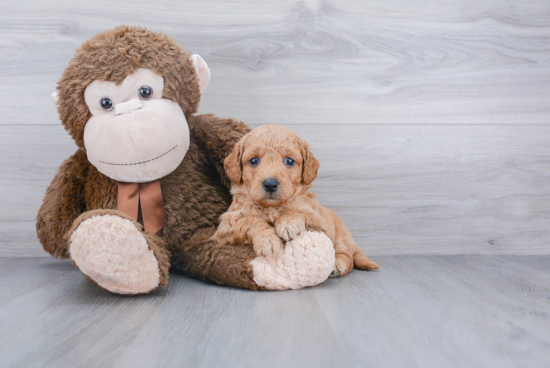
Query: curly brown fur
[(194, 198), (225, 265), (115, 54), (63, 203), (265, 217), (195, 194)]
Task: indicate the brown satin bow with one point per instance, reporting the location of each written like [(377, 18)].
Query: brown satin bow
[(147, 195)]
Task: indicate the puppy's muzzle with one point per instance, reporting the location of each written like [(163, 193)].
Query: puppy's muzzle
[(270, 185)]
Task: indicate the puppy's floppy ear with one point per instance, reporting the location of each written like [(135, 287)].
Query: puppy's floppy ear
[(310, 165), (233, 165)]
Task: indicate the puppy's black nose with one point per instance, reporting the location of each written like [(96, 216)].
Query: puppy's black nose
[(271, 185)]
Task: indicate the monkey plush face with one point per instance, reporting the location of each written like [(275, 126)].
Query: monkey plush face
[(126, 97), (134, 135)]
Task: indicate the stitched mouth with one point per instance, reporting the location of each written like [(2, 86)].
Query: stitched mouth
[(141, 162)]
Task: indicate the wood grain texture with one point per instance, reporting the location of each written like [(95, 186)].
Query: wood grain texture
[(440, 311), (400, 190), (309, 62), (430, 118)]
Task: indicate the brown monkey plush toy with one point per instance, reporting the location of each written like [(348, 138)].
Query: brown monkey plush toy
[(145, 189)]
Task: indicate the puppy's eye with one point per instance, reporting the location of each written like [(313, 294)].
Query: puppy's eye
[(289, 162), (254, 161), (106, 104), (145, 92)]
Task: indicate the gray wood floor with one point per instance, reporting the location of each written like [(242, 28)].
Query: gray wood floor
[(417, 311)]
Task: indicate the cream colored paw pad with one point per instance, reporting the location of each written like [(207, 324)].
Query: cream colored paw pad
[(113, 252), (307, 260)]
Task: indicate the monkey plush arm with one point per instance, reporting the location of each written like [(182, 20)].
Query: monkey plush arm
[(63, 203), (217, 137)]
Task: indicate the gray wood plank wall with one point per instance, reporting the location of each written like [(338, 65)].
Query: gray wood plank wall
[(431, 119)]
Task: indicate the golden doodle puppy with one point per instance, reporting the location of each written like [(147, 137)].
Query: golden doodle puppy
[(271, 170)]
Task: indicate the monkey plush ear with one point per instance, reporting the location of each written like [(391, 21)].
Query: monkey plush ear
[(55, 97), (233, 164), (203, 72), (310, 166)]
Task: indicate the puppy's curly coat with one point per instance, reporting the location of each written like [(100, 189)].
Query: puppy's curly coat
[(271, 170)]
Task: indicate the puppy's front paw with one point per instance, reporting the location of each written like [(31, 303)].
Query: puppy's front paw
[(267, 244), (291, 228)]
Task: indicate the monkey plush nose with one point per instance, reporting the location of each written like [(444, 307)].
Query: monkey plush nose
[(124, 107), (271, 185)]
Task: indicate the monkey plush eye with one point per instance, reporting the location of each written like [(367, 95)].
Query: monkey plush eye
[(289, 162), (254, 161), (145, 92), (106, 104)]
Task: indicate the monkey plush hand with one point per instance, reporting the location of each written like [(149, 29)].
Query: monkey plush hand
[(145, 189)]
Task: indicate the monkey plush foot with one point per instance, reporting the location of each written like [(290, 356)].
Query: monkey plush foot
[(116, 254), (307, 260)]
